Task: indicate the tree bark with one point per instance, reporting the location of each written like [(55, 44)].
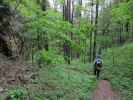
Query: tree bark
[(92, 31), (96, 29), (67, 16)]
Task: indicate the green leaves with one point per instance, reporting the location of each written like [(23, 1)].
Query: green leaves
[(130, 8), (16, 94), (67, 82), (49, 57), (121, 13), (118, 68)]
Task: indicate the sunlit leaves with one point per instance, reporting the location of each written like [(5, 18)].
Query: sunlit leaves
[(130, 8), (61, 1), (121, 13)]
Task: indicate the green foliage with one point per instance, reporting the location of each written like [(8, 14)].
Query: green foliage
[(65, 82), (49, 57), (61, 1), (37, 98), (16, 94), (121, 13), (130, 7), (41, 26), (85, 28), (105, 41), (118, 69), (79, 8), (49, 25)]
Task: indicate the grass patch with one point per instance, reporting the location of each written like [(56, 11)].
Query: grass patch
[(64, 82), (60, 82)]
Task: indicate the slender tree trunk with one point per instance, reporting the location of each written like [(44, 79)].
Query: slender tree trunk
[(44, 8), (127, 27), (120, 34), (80, 3), (72, 17), (67, 16), (96, 29), (92, 31)]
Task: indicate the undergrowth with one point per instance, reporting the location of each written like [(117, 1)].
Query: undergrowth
[(60, 82), (118, 68)]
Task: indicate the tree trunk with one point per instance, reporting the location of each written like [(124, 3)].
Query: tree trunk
[(44, 8), (92, 31), (96, 29), (67, 16)]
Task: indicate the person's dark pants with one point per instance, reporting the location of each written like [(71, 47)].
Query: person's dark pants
[(96, 72)]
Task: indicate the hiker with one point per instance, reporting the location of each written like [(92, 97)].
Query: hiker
[(97, 66)]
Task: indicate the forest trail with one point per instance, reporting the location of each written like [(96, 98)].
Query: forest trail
[(104, 91)]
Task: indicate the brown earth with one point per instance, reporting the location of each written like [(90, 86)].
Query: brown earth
[(12, 72), (104, 91)]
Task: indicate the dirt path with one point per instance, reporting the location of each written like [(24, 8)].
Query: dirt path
[(104, 92)]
